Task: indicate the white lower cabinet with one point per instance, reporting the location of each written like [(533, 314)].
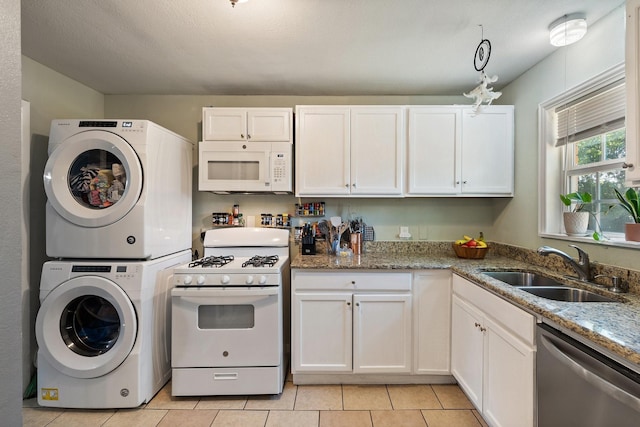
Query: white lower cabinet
[(358, 322), (493, 355), (432, 322)]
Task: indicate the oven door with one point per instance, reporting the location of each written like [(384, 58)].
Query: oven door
[(213, 327)]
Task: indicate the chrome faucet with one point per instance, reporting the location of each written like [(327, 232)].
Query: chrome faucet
[(581, 267)]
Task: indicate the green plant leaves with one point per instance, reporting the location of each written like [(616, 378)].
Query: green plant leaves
[(630, 202)]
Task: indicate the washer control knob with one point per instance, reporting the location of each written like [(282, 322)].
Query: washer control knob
[(187, 280), (263, 280), (200, 280), (249, 280), (225, 280)]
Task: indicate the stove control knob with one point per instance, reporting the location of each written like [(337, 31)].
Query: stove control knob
[(263, 280), (249, 280), (187, 280), (200, 280), (225, 280)]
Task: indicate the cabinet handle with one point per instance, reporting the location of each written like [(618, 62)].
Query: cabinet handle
[(483, 329), (357, 304), (457, 182), (348, 303), (626, 165), (353, 282), (242, 135), (353, 185), (346, 185), (248, 136), (464, 182), (477, 325)]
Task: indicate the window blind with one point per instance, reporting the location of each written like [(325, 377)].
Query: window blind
[(599, 112)]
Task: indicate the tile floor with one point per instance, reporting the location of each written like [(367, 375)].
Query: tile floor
[(297, 406)]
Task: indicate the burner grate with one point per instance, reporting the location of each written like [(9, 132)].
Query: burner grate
[(212, 261), (261, 261)]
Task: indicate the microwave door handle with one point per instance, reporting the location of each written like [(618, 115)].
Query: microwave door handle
[(267, 172)]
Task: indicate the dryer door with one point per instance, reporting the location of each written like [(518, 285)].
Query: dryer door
[(86, 327), (93, 178)]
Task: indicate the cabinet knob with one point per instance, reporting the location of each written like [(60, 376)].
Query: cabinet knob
[(482, 329), (457, 182), (248, 136), (357, 304), (348, 303), (477, 325), (464, 182), (353, 282), (242, 135), (353, 185), (346, 185)]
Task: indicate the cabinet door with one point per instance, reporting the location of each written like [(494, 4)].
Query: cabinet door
[(434, 150), (509, 367), (432, 322), (269, 124), (487, 151), (321, 332), (322, 151), (632, 81), (467, 349), (377, 140), (224, 124), (382, 333)]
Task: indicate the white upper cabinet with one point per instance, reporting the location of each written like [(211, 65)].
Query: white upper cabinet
[(632, 82), (349, 150), (454, 151), (247, 124)]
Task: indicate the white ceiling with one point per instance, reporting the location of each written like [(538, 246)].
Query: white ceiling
[(291, 47)]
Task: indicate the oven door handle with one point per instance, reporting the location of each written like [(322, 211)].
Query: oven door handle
[(196, 295), (588, 373)]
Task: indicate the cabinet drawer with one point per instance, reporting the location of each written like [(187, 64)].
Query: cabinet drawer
[(347, 280), (506, 314)]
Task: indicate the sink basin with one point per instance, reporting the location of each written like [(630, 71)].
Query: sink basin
[(522, 278), (563, 293), (546, 287)]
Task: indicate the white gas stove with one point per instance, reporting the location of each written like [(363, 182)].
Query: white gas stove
[(227, 314)]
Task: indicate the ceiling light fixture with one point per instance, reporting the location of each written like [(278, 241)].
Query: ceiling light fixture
[(567, 29), (233, 2)]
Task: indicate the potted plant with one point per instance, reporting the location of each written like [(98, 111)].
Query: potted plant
[(630, 201), (576, 221)]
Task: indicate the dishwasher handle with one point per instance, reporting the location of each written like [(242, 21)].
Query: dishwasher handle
[(581, 369)]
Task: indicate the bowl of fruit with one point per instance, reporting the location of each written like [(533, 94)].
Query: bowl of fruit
[(471, 248)]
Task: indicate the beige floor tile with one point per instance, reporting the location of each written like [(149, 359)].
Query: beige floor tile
[(292, 419), (405, 418), (188, 418), (82, 418), (413, 397), (366, 397), (136, 417), (480, 419), (452, 397), (319, 398), (222, 402), (39, 417), (450, 418), (283, 401), (232, 418), (164, 400), (345, 419)]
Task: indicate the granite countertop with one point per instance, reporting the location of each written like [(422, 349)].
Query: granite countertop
[(612, 326)]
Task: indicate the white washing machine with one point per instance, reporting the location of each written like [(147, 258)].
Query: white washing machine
[(118, 189), (103, 331)]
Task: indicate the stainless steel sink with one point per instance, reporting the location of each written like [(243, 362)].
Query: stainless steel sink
[(546, 287), (563, 293), (522, 278)]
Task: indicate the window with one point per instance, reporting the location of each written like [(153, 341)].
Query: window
[(583, 148)]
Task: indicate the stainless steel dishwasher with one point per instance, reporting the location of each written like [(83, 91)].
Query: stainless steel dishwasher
[(578, 386)]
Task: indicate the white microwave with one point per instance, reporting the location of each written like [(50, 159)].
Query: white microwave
[(245, 167)]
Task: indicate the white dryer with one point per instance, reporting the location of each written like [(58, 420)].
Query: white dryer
[(103, 331), (118, 189)]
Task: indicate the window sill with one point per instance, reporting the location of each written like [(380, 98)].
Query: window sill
[(618, 242)]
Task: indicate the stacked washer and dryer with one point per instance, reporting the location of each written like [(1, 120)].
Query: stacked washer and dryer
[(118, 219)]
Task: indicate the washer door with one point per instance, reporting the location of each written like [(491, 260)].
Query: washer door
[(93, 178), (86, 327)]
